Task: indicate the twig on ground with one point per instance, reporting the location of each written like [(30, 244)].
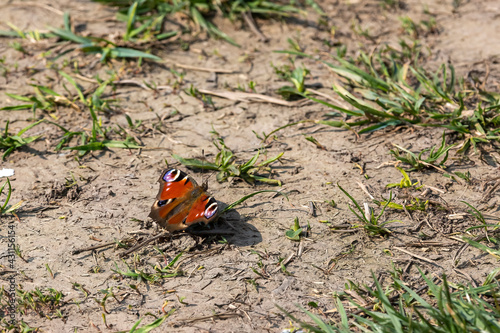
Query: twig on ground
[(206, 69), (417, 256), (284, 263), (247, 16), (144, 243), (250, 97), (462, 248), (467, 276), (490, 191), (126, 82), (91, 248), (212, 317), (363, 187)]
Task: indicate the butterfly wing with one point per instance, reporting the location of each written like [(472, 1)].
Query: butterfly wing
[(204, 209), (181, 202)]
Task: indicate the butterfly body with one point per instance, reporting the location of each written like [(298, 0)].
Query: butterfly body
[(181, 202)]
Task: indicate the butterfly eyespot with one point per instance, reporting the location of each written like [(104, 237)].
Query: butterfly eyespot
[(211, 208), (162, 203), (172, 175)]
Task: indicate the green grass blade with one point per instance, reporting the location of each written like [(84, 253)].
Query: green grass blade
[(74, 84), (14, 207), (18, 31), (391, 312), (305, 325), (314, 5), (381, 125), (67, 21), (17, 107), (493, 252), (122, 52), (266, 180), (130, 21), (196, 163), (166, 35), (120, 144), (321, 324), (152, 326), (9, 192), (21, 132), (87, 147), (46, 90), (349, 98), (249, 164), (20, 98), (333, 123), (489, 279), (364, 218), (355, 113), (68, 35), (210, 27), (271, 160)]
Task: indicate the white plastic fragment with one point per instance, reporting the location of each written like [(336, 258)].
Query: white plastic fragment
[(6, 173)]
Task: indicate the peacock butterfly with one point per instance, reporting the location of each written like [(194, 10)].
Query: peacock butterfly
[(181, 202)]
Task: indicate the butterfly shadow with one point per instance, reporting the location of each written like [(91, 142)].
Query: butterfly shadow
[(233, 227)]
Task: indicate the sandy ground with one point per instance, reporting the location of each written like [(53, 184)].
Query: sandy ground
[(116, 187)]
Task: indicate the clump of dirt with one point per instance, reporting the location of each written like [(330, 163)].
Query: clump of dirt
[(59, 190)]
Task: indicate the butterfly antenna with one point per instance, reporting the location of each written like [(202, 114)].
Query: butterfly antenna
[(205, 181), (202, 162)]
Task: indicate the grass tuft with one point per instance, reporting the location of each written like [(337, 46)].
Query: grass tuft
[(11, 142), (369, 222), (5, 208), (149, 327), (45, 303), (47, 100), (225, 164), (419, 162), (145, 19), (385, 89), (159, 272), (459, 309)]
